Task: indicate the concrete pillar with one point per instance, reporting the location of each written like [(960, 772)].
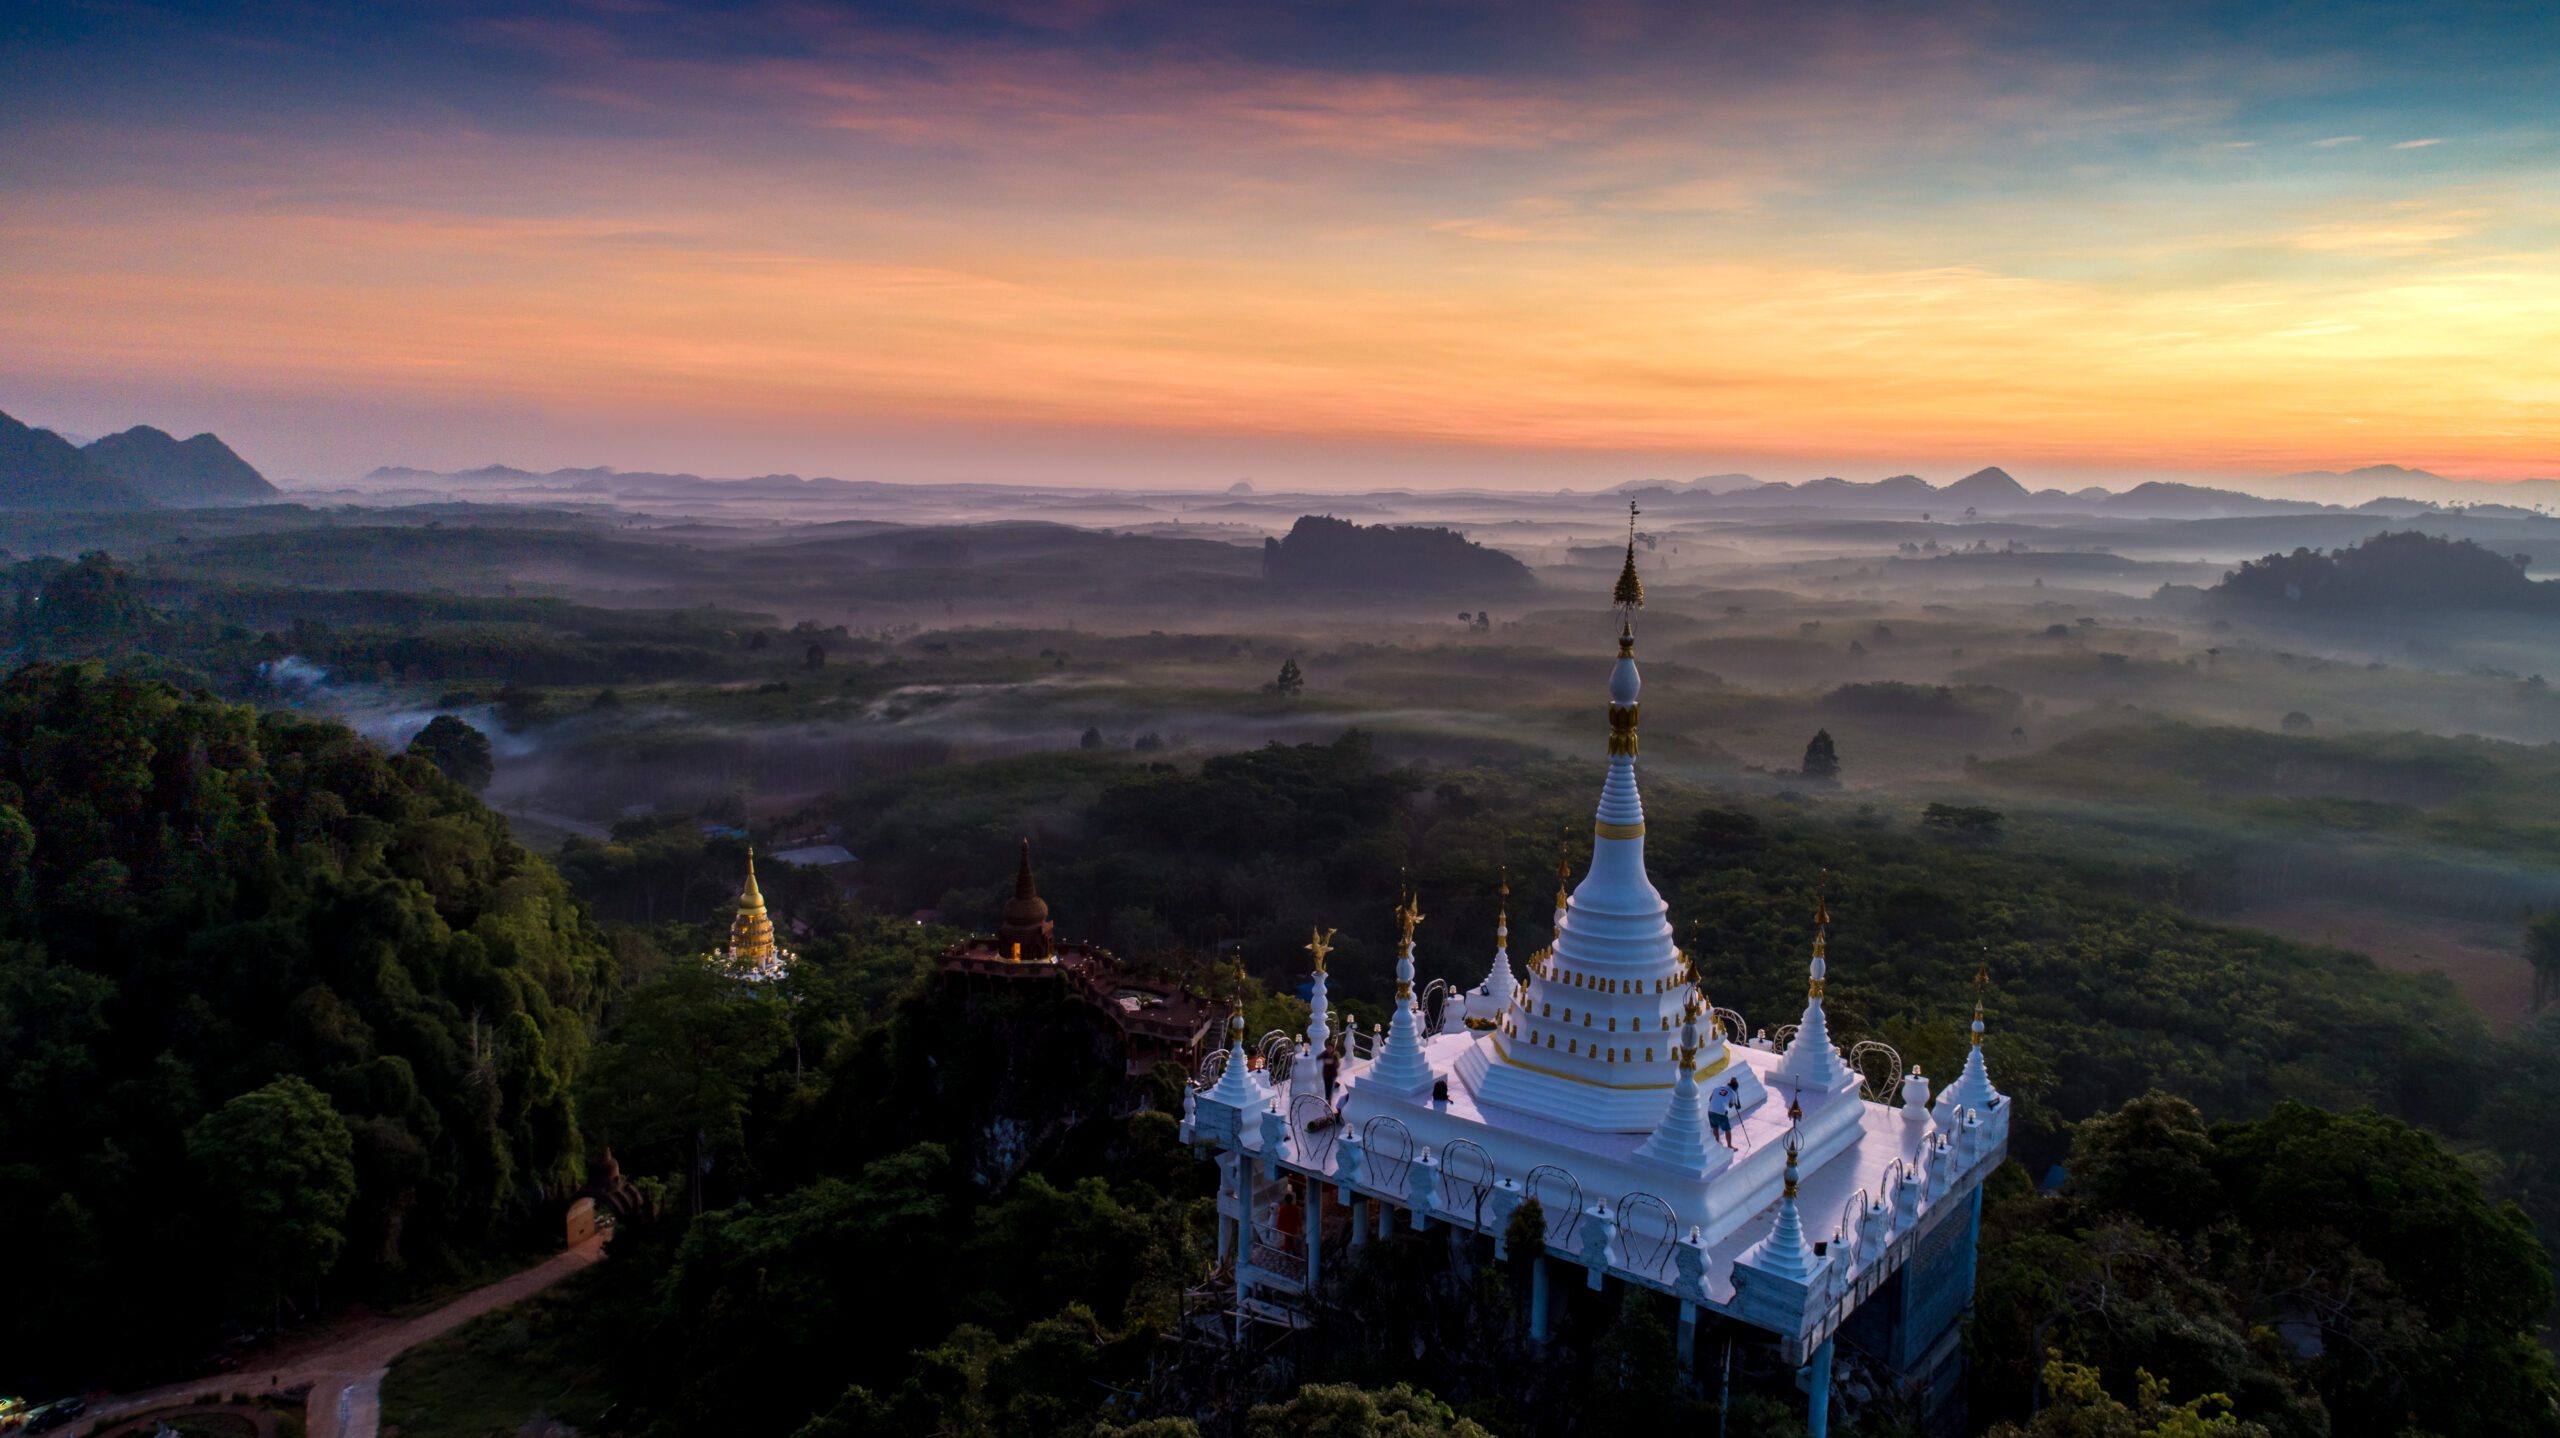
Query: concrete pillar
[(1244, 1230), (1386, 1219), (1226, 1218), (1315, 1234), (1359, 1220), (1538, 1299), (1686, 1345), (1817, 1414)]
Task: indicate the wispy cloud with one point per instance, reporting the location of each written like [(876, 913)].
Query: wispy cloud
[(1666, 228), (2416, 144)]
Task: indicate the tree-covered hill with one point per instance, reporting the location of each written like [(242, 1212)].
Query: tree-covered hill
[(1324, 553), (2408, 571), (281, 1017)]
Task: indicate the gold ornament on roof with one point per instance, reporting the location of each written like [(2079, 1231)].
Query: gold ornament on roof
[(1320, 943)]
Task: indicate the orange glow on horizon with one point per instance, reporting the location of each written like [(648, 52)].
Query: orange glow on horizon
[(1217, 250)]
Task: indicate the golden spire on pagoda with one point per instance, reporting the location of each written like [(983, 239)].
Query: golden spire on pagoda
[(752, 953), (1629, 594), (751, 933), (1981, 987)]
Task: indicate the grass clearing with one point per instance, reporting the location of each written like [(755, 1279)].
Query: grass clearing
[(492, 1376)]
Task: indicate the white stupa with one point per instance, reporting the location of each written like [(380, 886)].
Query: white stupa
[(1588, 1094), (1592, 1038)]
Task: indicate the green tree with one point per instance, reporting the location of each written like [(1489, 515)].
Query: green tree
[(89, 607), (1291, 682), (2079, 1406), (2542, 946), (2152, 1159), (458, 750), (683, 1063), (280, 1162), (1340, 1410), (1821, 759)]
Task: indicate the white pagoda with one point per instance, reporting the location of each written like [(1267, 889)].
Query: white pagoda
[(1585, 1088)]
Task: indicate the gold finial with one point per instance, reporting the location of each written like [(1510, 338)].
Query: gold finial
[(1629, 594), (1981, 987), (1821, 935), (1320, 943), (1409, 914), (1791, 1165)]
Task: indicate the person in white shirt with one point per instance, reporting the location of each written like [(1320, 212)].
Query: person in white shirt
[(1720, 1114)]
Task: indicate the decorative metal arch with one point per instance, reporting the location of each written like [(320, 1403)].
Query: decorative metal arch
[(1853, 1213), (1317, 1128), (1561, 1219), (1466, 1178), (1895, 1169), (1646, 1230), (1435, 1007), (1730, 1025), (1887, 1090), (1390, 1152), (1213, 1066), (1785, 1035), (1279, 1051)]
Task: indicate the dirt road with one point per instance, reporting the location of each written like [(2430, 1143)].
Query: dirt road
[(346, 1376)]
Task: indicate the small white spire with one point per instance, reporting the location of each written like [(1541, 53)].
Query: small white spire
[(1785, 1253), (1400, 1067), (1972, 1088), (1679, 1142), (1234, 1089), (1319, 944), (1500, 985), (1811, 1057)]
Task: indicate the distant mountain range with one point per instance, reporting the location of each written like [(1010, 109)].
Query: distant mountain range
[(1994, 491), (140, 468), (2384, 490)]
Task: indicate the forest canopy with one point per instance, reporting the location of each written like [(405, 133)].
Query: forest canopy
[(246, 957)]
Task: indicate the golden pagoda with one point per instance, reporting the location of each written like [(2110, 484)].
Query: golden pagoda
[(752, 954)]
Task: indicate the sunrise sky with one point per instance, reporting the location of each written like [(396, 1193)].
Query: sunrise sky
[(1325, 245)]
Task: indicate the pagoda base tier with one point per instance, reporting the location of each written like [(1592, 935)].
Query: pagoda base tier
[(1559, 1097)]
